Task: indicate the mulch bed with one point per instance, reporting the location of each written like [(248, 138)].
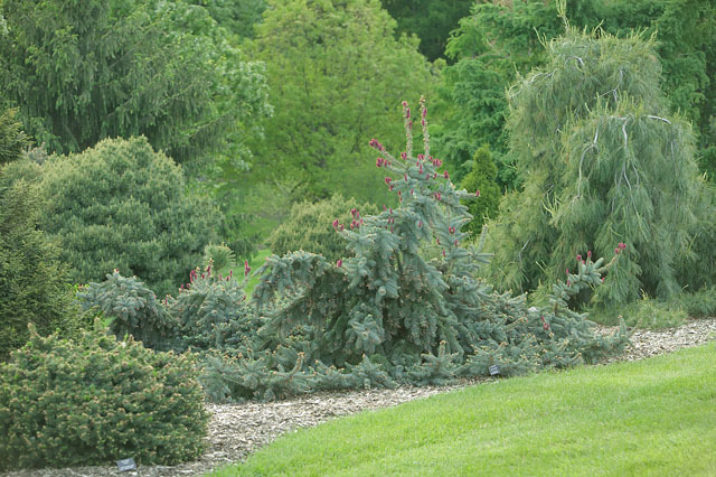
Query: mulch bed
[(237, 430)]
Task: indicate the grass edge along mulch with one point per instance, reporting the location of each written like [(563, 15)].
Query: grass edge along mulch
[(649, 417)]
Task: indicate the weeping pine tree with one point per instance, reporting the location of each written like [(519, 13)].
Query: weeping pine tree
[(602, 162)]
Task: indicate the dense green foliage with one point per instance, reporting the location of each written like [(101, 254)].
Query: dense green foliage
[(493, 44), (431, 20), (12, 139), (649, 417), (499, 41), (121, 205), (82, 71), (33, 283), (97, 400), (482, 178), (333, 68), (133, 309), (602, 164), (308, 227), (238, 16), (211, 313)]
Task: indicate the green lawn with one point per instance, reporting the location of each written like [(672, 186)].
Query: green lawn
[(653, 417)]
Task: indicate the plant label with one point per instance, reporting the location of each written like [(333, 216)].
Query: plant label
[(126, 464), (494, 370)]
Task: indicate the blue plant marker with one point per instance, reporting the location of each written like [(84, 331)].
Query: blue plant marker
[(126, 464)]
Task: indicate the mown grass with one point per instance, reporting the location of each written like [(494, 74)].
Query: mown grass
[(652, 417)]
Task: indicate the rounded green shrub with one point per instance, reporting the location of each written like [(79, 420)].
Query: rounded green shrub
[(96, 400), (308, 227), (121, 205)]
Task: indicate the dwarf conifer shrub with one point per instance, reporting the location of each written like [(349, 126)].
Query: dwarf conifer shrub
[(482, 178), (222, 257), (96, 400), (132, 308), (122, 205), (211, 312)]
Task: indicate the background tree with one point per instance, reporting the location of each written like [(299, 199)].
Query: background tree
[(687, 45), (499, 41), (492, 45), (432, 21), (602, 162), (332, 67), (237, 16), (81, 71), (120, 205), (12, 139)]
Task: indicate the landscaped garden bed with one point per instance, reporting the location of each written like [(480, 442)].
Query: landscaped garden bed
[(237, 430)]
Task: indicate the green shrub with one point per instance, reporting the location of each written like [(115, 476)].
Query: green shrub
[(700, 304), (644, 313), (308, 227), (482, 178), (122, 205), (212, 313), (33, 282), (97, 400), (133, 309)]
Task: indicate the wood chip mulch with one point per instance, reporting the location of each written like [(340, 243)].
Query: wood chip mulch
[(237, 430)]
